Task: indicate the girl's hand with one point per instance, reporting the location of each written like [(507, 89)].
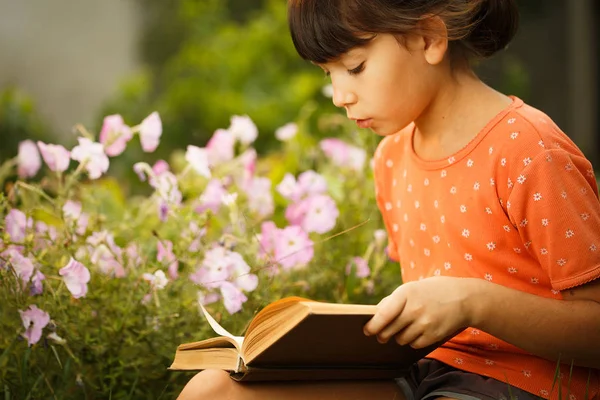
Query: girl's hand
[(425, 312)]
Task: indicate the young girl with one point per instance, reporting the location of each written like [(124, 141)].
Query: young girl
[(491, 210)]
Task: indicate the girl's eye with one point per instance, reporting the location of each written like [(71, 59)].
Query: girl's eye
[(357, 70)]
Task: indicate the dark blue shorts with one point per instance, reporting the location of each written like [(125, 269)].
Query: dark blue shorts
[(430, 379)]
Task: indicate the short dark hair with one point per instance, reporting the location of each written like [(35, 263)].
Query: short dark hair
[(322, 30)]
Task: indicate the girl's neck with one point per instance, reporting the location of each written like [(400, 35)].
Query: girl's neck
[(459, 110)]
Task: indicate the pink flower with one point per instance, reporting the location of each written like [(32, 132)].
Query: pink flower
[(233, 298), (56, 157), (268, 233), (34, 321), (260, 199), (105, 260), (198, 159), (114, 135), (92, 155), (309, 183), (134, 259), (243, 129), (165, 253), (212, 197), (321, 214), (221, 265), (45, 235), (220, 147), (28, 159), (362, 268), (286, 132), (293, 248), (150, 132), (16, 224), (207, 298), (160, 166), (287, 187), (167, 187), (22, 266), (76, 277), (343, 154), (296, 212)]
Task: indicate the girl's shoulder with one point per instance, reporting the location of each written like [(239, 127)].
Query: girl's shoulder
[(525, 133)]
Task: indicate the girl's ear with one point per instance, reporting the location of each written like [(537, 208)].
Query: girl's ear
[(435, 37)]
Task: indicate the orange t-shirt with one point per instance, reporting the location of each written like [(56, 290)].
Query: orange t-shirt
[(517, 206)]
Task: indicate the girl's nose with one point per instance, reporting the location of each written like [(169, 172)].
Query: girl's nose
[(342, 97)]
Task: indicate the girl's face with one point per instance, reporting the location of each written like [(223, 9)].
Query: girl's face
[(384, 85)]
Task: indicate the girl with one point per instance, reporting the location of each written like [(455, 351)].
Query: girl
[(491, 210)]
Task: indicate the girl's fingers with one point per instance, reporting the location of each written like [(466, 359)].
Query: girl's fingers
[(408, 335), (397, 326), (387, 312)]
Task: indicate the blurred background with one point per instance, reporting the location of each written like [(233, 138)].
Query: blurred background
[(197, 62)]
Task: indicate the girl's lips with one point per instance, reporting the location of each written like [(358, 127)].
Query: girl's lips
[(364, 123)]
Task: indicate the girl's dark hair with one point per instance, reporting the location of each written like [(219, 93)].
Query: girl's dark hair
[(322, 30)]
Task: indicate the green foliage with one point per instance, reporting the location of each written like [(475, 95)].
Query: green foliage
[(18, 119), (216, 66), (119, 339)]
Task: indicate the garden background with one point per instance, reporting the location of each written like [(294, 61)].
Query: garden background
[(198, 63)]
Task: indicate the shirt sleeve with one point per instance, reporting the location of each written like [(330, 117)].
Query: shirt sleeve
[(555, 207), (382, 184)]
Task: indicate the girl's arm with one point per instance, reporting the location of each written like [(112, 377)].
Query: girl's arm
[(553, 329), (424, 312)]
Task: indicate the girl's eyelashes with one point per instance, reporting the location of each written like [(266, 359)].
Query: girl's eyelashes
[(357, 70), (354, 71)]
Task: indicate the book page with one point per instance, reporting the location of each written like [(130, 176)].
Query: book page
[(219, 330)]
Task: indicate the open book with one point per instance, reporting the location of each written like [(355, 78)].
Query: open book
[(299, 339)]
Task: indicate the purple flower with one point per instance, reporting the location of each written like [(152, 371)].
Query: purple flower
[(293, 248), (92, 155), (150, 132), (34, 321), (36, 283), (76, 277), (56, 157), (362, 268), (28, 159), (220, 147), (114, 135)]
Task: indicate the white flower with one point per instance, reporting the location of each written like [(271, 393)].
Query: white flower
[(198, 159), (286, 132), (537, 197), (243, 129), (491, 246), (92, 155)]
